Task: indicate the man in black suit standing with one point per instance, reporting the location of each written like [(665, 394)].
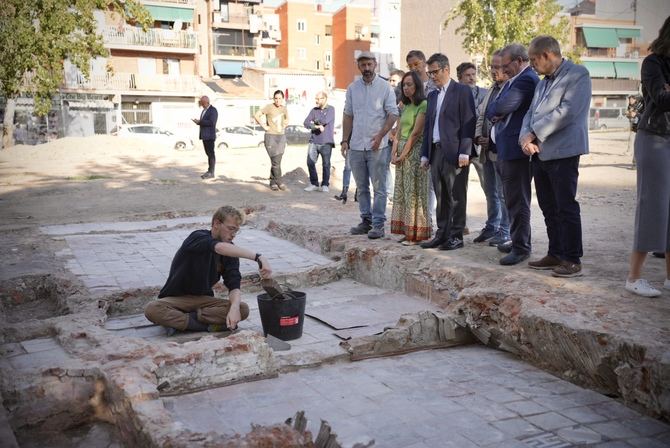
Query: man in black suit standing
[(506, 113), (447, 146), (207, 123)]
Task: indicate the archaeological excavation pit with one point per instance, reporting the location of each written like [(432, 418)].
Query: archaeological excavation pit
[(399, 347)]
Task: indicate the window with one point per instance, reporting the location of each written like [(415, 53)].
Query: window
[(171, 67), (302, 54), (318, 65), (317, 39), (302, 25), (329, 30), (329, 56)]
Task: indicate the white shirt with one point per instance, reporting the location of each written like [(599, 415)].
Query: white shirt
[(438, 107)]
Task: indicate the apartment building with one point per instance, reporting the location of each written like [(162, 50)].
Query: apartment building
[(385, 35), (307, 37), (149, 76), (351, 35), (421, 28), (614, 37)]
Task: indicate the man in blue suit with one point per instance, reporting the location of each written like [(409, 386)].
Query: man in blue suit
[(207, 123), (555, 133), (507, 112), (447, 146)]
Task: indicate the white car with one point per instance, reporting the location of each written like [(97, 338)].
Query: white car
[(239, 137), (156, 135)]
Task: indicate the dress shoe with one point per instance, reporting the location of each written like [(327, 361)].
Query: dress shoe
[(513, 258), (452, 244), (207, 175), (505, 247), (430, 244), (658, 254)]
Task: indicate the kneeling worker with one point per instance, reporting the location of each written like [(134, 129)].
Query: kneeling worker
[(187, 302)]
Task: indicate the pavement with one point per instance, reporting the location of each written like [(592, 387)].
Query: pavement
[(461, 397)]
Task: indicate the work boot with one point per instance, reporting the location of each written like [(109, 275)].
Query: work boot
[(362, 228)]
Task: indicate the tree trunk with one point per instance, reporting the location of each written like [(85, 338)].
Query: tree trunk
[(8, 124)]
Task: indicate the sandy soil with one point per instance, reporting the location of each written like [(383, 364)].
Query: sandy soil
[(105, 178)]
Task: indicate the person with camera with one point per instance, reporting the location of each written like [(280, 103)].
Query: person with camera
[(321, 121)]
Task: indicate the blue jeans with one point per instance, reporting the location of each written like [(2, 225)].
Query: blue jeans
[(315, 151), (346, 173), (371, 166), (497, 219)]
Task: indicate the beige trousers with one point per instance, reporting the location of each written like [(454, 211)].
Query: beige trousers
[(173, 311)]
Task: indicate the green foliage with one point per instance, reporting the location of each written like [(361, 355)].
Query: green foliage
[(489, 25), (37, 36)]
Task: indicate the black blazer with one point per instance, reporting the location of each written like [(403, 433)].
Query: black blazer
[(208, 124), (456, 122)]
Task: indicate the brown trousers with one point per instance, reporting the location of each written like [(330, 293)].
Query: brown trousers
[(173, 311)]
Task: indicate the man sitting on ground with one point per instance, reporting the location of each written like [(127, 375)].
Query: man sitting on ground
[(187, 302)]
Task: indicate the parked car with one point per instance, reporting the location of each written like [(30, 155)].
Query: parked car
[(608, 118), (239, 137), (155, 135), (297, 135)]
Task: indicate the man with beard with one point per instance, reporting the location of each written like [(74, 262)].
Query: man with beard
[(370, 110)]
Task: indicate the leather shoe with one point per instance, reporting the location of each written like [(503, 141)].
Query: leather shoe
[(430, 244), (513, 258), (453, 243)]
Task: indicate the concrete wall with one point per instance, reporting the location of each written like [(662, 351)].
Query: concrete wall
[(419, 30)]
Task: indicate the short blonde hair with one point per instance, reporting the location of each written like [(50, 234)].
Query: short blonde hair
[(228, 211)]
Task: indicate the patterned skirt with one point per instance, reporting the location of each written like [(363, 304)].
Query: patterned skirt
[(410, 216)]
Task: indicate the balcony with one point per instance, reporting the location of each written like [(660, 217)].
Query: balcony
[(154, 39), (231, 19), (123, 82), (190, 3), (623, 51), (233, 50), (622, 86)]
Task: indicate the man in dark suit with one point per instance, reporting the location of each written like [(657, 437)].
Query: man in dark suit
[(447, 146), (507, 112), (207, 123)]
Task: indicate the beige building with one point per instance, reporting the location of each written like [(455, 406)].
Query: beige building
[(421, 29)]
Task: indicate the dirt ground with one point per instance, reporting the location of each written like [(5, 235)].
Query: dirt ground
[(105, 178)]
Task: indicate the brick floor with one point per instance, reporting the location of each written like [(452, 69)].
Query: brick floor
[(110, 257), (383, 399)]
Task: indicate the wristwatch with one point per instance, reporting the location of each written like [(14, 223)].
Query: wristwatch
[(257, 259)]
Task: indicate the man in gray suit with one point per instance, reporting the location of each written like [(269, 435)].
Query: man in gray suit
[(555, 135)]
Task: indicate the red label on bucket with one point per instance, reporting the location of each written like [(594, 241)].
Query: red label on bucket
[(288, 321)]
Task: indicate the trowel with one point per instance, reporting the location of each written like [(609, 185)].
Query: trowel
[(272, 288), (277, 344)]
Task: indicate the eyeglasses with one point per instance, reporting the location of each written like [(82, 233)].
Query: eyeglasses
[(232, 229), (434, 72)]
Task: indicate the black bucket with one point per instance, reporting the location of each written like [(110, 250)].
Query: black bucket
[(283, 318)]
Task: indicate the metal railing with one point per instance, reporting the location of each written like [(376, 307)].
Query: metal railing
[(615, 85), (233, 50), (133, 81), (174, 2), (150, 38)]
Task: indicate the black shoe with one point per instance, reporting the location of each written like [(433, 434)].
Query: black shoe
[(342, 197), (484, 235), (498, 240), (513, 258), (658, 254), (430, 244), (362, 228), (505, 247), (452, 244), (207, 175)]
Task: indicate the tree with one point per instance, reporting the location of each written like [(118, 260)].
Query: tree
[(37, 36), (489, 25)]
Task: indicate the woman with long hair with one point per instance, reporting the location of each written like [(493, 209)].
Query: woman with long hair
[(410, 216), (652, 154)]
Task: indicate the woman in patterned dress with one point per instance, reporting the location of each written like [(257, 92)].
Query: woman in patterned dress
[(410, 216)]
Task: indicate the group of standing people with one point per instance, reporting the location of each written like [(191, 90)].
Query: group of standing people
[(521, 129)]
